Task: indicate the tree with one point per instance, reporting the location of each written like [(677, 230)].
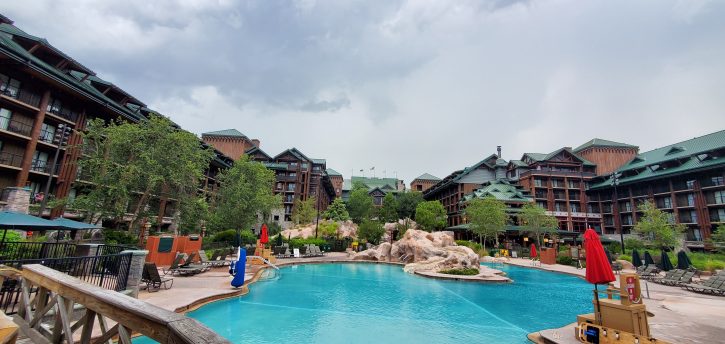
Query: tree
[(534, 219), (337, 211), (718, 238), (304, 212), (329, 229), (430, 215), (486, 217), (389, 211), (656, 226), (360, 204), (192, 213), (371, 231), (126, 164), (245, 191), (407, 203)]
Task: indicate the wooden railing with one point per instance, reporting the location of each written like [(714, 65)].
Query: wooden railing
[(59, 294)]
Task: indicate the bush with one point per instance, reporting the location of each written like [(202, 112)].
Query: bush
[(371, 231), (712, 265), (614, 247), (461, 272), (564, 260), (328, 229), (472, 245), (299, 242), (627, 258), (633, 244), (111, 237), (229, 235), (482, 253), (273, 229)]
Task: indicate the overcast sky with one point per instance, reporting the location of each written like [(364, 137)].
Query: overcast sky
[(407, 86)]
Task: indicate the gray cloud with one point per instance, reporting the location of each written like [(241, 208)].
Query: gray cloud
[(408, 86)]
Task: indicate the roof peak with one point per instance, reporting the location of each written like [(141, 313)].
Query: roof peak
[(225, 132), (427, 176), (597, 142)]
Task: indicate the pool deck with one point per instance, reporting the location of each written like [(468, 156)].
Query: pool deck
[(680, 316)]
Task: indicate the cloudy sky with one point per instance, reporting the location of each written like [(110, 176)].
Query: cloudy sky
[(407, 86)]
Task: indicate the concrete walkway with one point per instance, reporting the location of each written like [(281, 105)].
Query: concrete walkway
[(680, 316)]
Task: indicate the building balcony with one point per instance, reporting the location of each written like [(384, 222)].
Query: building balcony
[(16, 127), (10, 159), (23, 97), (286, 178), (63, 114), (44, 167)]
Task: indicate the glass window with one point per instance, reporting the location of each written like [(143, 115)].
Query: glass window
[(47, 132), (574, 207), (9, 86), (719, 197), (5, 118), (690, 184), (538, 182)]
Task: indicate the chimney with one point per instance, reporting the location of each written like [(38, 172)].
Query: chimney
[(498, 149), (255, 142)]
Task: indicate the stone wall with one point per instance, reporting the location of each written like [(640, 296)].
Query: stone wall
[(18, 200)]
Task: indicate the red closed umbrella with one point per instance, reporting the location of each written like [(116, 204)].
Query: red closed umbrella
[(533, 251), (598, 269), (264, 238)]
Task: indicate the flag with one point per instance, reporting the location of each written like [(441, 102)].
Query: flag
[(372, 168), (361, 170)]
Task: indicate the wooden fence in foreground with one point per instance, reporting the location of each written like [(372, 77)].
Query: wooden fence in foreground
[(48, 316)]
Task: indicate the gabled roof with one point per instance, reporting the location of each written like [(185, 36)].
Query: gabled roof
[(257, 150), (518, 163), (373, 183), (500, 189), (319, 161), (331, 172), (701, 152), (596, 142), (225, 133), (295, 152), (536, 157), (426, 176)]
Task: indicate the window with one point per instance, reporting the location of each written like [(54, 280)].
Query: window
[(291, 187), (688, 216), (607, 208), (40, 161), (717, 181), (557, 183), (627, 220), (47, 132), (540, 193), (690, 184), (626, 206), (54, 105), (719, 197), (542, 204), (538, 182), (5, 118), (560, 206), (664, 202), (575, 208), (293, 174), (9, 86), (559, 195), (717, 215), (573, 184), (304, 165)]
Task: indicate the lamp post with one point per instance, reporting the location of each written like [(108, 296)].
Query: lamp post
[(61, 139), (615, 182), (317, 223)]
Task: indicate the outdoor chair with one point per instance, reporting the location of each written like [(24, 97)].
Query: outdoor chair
[(219, 257), (649, 272), (672, 276), (176, 268), (686, 278), (713, 285), (209, 262), (189, 263), (153, 280)]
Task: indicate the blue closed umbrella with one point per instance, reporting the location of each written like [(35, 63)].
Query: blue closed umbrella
[(683, 261), (648, 258), (636, 260)]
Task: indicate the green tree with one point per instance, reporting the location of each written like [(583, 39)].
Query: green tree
[(407, 203), (656, 226), (487, 218), (193, 212), (329, 229), (304, 212), (389, 211), (245, 191), (371, 231), (718, 238), (360, 204), (337, 211), (128, 163), (430, 215), (534, 219)]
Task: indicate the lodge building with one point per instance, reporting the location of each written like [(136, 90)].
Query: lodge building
[(423, 182)]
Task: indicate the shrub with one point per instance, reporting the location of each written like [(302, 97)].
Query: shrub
[(627, 258), (371, 231), (460, 272), (329, 229), (633, 244), (482, 253), (299, 242), (564, 260), (472, 245), (273, 229), (119, 238), (614, 247), (712, 265), (229, 235)]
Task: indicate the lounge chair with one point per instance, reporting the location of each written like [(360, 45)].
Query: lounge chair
[(649, 272), (176, 268), (220, 257), (686, 278), (210, 262), (713, 285), (672, 276), (189, 263), (153, 280)]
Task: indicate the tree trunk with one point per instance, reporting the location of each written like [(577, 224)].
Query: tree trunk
[(141, 203)]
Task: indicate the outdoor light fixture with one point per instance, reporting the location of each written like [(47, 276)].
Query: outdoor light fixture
[(546, 240)]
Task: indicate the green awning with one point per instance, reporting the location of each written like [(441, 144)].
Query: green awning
[(12, 220), (74, 225)]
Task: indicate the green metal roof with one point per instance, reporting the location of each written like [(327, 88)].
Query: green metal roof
[(596, 142), (226, 133), (275, 165), (373, 183), (319, 161), (500, 189), (331, 172), (519, 163), (678, 158), (426, 176), (544, 157)]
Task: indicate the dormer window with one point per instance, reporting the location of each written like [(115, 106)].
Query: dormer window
[(674, 150)]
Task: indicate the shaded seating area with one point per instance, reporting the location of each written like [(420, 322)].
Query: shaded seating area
[(153, 280)]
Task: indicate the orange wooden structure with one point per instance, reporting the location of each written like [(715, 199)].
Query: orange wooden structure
[(163, 249), (548, 255)]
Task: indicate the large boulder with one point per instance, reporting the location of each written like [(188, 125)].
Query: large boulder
[(424, 251)]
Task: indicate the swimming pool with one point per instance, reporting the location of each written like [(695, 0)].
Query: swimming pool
[(363, 303)]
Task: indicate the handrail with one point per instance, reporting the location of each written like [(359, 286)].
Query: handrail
[(264, 260), (131, 314)]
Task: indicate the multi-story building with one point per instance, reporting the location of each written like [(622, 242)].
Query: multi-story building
[(558, 183), (377, 187), (685, 179), (41, 88), (424, 182), (451, 189), (297, 178), (337, 181), (607, 155), (230, 142)]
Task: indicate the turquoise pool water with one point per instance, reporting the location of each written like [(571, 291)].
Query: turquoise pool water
[(376, 303)]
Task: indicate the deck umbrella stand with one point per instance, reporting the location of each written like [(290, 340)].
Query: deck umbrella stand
[(598, 270)]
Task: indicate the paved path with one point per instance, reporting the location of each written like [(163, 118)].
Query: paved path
[(680, 316)]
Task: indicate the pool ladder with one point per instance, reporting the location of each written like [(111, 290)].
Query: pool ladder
[(267, 274)]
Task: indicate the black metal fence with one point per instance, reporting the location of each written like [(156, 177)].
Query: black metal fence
[(15, 251), (104, 249), (106, 271)]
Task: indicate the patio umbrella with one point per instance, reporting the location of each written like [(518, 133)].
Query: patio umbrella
[(648, 258), (279, 239), (665, 260), (12, 220), (73, 225), (237, 240), (264, 237), (636, 260), (533, 251), (683, 261), (598, 270)]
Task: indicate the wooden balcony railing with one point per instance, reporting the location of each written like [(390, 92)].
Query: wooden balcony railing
[(61, 294)]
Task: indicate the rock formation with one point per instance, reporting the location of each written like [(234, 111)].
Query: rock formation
[(423, 251)]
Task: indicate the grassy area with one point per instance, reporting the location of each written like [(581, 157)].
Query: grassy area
[(701, 261), (460, 272)]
